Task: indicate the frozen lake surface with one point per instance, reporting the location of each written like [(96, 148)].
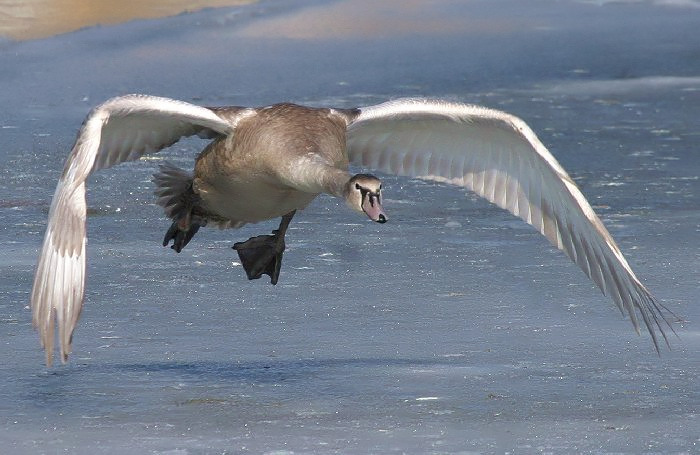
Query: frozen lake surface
[(454, 328)]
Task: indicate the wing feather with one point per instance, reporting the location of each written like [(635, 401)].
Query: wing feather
[(497, 156), (121, 129)]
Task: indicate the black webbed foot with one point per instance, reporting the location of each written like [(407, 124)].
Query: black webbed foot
[(179, 236), (261, 255)]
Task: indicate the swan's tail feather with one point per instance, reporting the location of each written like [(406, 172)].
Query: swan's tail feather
[(176, 196), (174, 191)]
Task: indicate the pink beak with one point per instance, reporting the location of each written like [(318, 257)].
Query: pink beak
[(373, 208)]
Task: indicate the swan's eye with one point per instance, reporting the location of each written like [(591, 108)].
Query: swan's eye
[(357, 186)]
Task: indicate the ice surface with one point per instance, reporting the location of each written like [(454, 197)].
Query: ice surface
[(454, 328)]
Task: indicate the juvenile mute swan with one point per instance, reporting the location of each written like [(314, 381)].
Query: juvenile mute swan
[(269, 162)]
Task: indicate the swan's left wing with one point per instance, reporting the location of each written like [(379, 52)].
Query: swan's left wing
[(121, 129), (497, 156)]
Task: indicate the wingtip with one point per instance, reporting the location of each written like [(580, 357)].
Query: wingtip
[(49, 358)]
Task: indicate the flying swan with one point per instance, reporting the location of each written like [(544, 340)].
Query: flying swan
[(268, 162)]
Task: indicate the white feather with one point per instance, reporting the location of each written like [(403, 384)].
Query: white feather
[(123, 128), (497, 156)]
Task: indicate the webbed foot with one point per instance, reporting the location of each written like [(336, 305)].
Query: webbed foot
[(179, 235), (262, 255)]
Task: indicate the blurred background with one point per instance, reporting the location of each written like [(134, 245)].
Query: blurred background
[(31, 19)]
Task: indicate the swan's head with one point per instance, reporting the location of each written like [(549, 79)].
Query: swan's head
[(363, 193)]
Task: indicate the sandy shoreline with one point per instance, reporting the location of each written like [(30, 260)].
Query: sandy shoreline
[(32, 19)]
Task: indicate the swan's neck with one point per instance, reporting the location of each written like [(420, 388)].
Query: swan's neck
[(335, 182), (311, 176)]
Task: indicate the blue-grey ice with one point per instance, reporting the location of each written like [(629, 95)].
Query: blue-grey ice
[(455, 328)]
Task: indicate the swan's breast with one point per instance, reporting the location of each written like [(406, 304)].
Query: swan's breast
[(248, 198)]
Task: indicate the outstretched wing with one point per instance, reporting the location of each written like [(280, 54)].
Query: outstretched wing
[(498, 157), (121, 129)]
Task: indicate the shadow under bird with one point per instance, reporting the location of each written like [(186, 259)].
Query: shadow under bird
[(269, 162)]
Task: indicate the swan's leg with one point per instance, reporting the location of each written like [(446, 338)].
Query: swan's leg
[(181, 232), (262, 255)]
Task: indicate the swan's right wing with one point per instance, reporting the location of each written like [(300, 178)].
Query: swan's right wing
[(121, 129), (497, 156)]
